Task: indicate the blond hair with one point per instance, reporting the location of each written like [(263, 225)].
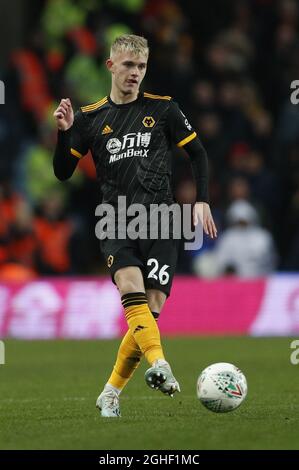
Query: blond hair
[(130, 43)]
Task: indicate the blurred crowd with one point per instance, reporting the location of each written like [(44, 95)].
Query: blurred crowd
[(230, 67)]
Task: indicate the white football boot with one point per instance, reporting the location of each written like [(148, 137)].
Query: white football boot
[(108, 404), (160, 377)]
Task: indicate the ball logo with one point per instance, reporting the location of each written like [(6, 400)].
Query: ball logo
[(113, 145), (148, 121)]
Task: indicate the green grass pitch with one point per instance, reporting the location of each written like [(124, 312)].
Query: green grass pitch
[(48, 391)]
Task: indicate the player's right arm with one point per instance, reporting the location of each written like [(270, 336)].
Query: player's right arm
[(70, 146)]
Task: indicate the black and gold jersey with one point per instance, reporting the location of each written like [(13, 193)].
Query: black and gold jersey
[(131, 145)]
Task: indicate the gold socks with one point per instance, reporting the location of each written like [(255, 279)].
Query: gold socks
[(142, 325), (127, 361)]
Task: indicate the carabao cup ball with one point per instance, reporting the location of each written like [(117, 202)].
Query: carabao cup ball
[(221, 387)]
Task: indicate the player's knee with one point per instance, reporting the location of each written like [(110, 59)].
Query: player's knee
[(127, 286), (128, 281)]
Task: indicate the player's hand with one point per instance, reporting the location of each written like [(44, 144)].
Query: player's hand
[(64, 115), (202, 213)]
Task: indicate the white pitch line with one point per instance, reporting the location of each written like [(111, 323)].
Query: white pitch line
[(133, 398)]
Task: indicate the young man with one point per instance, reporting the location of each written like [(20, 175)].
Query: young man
[(130, 135)]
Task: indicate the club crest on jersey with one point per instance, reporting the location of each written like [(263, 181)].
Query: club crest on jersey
[(148, 121), (113, 145), (107, 130), (110, 260)]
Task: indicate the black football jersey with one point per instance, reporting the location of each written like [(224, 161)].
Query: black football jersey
[(131, 146)]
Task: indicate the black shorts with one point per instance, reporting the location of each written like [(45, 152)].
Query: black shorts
[(156, 258)]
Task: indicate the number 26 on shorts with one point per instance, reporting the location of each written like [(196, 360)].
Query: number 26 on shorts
[(157, 273)]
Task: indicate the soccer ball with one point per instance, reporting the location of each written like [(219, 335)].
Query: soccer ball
[(221, 387)]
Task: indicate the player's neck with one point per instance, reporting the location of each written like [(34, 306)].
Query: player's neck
[(120, 98)]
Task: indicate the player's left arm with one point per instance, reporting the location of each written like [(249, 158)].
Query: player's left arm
[(184, 135), (201, 209)]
